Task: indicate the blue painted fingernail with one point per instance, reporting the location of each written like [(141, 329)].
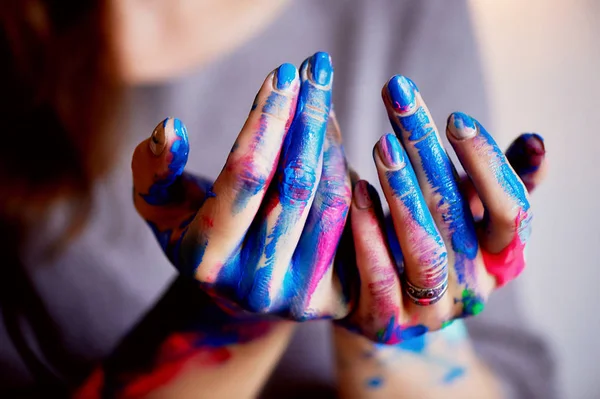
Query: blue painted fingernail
[(390, 151), (461, 126), (179, 148), (285, 75), (321, 69), (402, 94)]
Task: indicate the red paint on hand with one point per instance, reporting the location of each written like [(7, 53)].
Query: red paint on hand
[(92, 387)]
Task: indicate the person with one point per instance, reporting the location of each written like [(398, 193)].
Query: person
[(92, 307)]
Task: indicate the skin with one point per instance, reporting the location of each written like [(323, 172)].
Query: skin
[(156, 40)]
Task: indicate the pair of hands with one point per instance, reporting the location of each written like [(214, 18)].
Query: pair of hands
[(267, 237)]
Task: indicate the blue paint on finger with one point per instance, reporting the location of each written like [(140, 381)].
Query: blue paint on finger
[(167, 190), (505, 175), (418, 124), (441, 176), (404, 185)]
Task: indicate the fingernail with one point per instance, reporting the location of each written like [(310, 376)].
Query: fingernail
[(461, 126), (390, 151), (402, 94), (285, 75), (158, 139), (535, 144), (361, 195), (321, 69)]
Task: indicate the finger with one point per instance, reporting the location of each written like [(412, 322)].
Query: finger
[(502, 193), (289, 201), (158, 163), (240, 188), (311, 272), (435, 173), (527, 156), (379, 311), (424, 251), (164, 196)]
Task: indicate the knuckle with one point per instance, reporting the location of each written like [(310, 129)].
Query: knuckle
[(298, 182), (334, 195), (277, 107), (251, 182), (318, 112), (250, 178)]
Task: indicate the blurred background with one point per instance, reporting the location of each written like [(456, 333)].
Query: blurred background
[(541, 61)]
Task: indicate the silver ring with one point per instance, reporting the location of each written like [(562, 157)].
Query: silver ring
[(425, 296)]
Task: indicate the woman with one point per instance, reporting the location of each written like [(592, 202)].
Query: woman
[(110, 274)]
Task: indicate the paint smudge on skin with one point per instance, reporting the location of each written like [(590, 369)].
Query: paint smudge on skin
[(396, 333), (447, 323), (510, 262), (453, 337), (375, 382), (473, 304), (454, 374), (415, 345)]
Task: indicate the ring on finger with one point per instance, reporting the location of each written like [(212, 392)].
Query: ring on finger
[(425, 296)]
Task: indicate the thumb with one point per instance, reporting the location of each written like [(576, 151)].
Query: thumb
[(165, 197), (158, 163)]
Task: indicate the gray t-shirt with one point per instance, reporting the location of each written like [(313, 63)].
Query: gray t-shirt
[(112, 273)]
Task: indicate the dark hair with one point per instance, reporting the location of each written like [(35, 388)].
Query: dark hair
[(57, 84)]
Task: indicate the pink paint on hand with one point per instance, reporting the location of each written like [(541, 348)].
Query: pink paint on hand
[(510, 262)]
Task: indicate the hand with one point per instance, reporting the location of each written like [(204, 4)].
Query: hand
[(263, 237), (457, 245)]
